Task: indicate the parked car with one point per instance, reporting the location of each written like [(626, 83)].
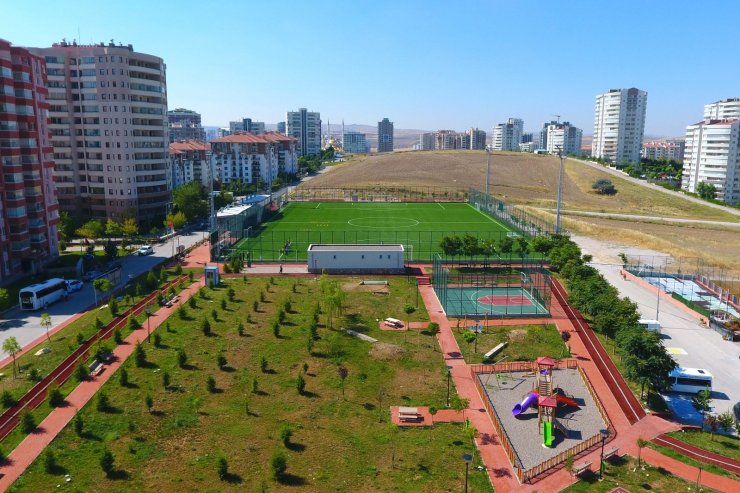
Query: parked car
[(73, 285), (91, 275), (145, 250)]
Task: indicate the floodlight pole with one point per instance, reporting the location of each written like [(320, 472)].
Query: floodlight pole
[(488, 170), (560, 191)]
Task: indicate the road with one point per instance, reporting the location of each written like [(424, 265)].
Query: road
[(25, 325), (653, 219), (692, 345)]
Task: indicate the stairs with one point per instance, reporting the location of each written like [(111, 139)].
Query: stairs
[(423, 280)]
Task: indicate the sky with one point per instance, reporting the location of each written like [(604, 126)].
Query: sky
[(423, 64)]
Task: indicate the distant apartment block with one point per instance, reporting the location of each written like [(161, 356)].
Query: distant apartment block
[(507, 136), (712, 156), (527, 137), (443, 140), (109, 126), (426, 141), (355, 142), (281, 127), (476, 139), (185, 124), (663, 149), (253, 158), (255, 127), (190, 160), (305, 127), (562, 137), (385, 135), (619, 125), (726, 109), (29, 212), (528, 147)]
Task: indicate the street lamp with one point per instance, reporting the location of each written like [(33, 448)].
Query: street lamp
[(467, 458), (448, 384), (604, 434), (560, 191), (148, 312), (488, 170)]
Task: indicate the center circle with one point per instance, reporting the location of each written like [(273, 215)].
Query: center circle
[(384, 222)]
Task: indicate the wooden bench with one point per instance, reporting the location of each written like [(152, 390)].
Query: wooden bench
[(611, 452), (406, 414), (96, 368), (581, 468), (393, 322)]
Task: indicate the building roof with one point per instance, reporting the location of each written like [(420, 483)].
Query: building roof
[(545, 361), (716, 122), (188, 145), (233, 210), (251, 138), (356, 248)]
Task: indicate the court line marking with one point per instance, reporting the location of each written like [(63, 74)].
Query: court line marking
[(490, 218), (318, 205), (443, 207)]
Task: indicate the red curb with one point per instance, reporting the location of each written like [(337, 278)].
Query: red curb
[(698, 454)]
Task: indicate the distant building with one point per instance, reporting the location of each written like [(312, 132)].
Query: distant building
[(385, 135), (712, 156), (190, 160), (252, 158), (476, 139), (527, 146), (619, 125), (507, 136), (563, 137), (355, 143), (447, 140), (427, 141), (527, 137), (185, 124), (726, 109), (281, 127), (29, 212), (305, 127), (663, 149), (543, 133), (255, 127)]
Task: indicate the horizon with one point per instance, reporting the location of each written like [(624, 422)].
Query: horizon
[(420, 64)]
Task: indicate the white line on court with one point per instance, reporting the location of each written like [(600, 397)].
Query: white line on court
[(443, 207), (488, 217)]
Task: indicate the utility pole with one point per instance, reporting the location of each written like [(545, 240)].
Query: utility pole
[(560, 191), (488, 171)]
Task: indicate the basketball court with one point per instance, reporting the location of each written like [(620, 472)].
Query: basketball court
[(508, 300)]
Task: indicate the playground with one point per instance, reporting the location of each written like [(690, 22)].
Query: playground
[(516, 409)]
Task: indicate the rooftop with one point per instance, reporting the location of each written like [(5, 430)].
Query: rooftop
[(251, 138), (356, 248), (188, 145)]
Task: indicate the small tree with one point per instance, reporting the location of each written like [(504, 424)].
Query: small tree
[(641, 443), (157, 340), (182, 313), (191, 302), (11, 347), (604, 186), (300, 384), (221, 361), (50, 462), (255, 385), (231, 293), (712, 421), (46, 324), (263, 364), (139, 355), (214, 314), (103, 403), (223, 304), (166, 380), (149, 403), (222, 468), (343, 373), (276, 328), (107, 462), (240, 329), (278, 465), (123, 377), (569, 465), (56, 398), (408, 309), (113, 307), (182, 358), (81, 372), (286, 432), (211, 384), (117, 336), (7, 399), (706, 191), (205, 326), (28, 422), (726, 420), (79, 425)]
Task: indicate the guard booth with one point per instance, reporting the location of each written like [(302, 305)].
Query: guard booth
[(212, 276)]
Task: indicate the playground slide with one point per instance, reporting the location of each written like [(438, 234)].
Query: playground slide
[(566, 400), (547, 433), (524, 405)]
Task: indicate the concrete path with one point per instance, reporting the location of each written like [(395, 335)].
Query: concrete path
[(33, 445), (654, 219)]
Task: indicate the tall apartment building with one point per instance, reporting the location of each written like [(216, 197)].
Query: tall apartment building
[(527, 137), (543, 133), (507, 136), (475, 139), (385, 135), (255, 127), (281, 127), (185, 124), (107, 117), (619, 125), (190, 160), (305, 127), (427, 141), (253, 158), (29, 212), (355, 142), (562, 137), (663, 149), (725, 109), (712, 156)]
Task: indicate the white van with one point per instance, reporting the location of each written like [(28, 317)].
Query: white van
[(651, 325)]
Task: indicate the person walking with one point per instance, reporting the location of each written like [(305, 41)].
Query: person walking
[(281, 268)]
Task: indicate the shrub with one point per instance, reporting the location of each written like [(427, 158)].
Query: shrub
[(286, 432), (211, 384), (103, 402), (191, 303), (123, 377), (79, 425), (34, 375), (80, 338), (117, 336), (604, 186), (50, 462), (263, 364), (182, 313), (151, 281), (191, 276), (275, 328), (255, 305), (165, 380), (149, 402), (231, 294), (205, 326), (433, 328), (223, 304), (133, 324), (300, 384), (56, 398), (240, 329), (107, 462), (214, 314), (28, 422), (314, 330), (222, 468), (113, 306), (7, 399), (202, 293), (139, 355), (157, 340), (81, 372), (255, 385), (182, 358), (281, 315), (178, 270), (221, 361), (278, 465), (227, 269)]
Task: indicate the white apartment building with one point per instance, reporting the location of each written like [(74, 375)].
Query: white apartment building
[(712, 155), (190, 160), (253, 158), (108, 121), (355, 142), (305, 127), (619, 125), (663, 149), (507, 136), (726, 109), (563, 137)]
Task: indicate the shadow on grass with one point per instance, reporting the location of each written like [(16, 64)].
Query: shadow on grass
[(57, 470), (232, 478), (119, 475), (188, 366), (90, 436), (130, 385), (369, 406), (295, 447), (291, 480), (310, 395), (228, 369)]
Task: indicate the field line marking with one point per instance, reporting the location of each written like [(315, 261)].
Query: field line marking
[(443, 207), (490, 218), (318, 205)]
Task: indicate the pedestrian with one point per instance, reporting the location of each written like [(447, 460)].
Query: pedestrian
[(281, 268)]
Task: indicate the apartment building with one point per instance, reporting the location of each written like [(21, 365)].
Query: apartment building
[(29, 212), (109, 126), (619, 125), (253, 158), (184, 124), (507, 136), (427, 141), (190, 160), (305, 127), (253, 126), (385, 135), (725, 109), (663, 149), (712, 155), (562, 137), (355, 142), (475, 139), (281, 127)]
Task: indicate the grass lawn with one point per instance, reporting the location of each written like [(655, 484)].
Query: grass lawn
[(729, 446), (623, 471), (418, 226), (526, 343), (338, 443), (669, 452)]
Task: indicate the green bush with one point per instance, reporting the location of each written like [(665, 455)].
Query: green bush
[(211, 384), (28, 422), (278, 465), (56, 398)]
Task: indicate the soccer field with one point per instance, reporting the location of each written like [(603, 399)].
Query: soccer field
[(418, 226)]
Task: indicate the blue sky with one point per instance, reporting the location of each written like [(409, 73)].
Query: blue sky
[(423, 64)]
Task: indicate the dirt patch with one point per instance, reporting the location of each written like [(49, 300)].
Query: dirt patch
[(386, 352), (517, 335), (366, 288)]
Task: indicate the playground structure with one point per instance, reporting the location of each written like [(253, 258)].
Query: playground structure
[(546, 398)]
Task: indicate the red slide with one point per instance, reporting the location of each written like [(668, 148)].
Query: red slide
[(566, 400)]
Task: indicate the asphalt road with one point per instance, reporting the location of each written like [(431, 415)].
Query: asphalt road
[(25, 325)]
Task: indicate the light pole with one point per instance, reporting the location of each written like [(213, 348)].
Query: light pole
[(560, 191), (448, 384), (488, 171), (467, 458), (604, 434), (148, 312)]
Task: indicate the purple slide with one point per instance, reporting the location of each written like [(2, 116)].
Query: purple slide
[(524, 405)]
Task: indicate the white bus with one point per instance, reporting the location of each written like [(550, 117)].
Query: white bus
[(43, 294), (690, 380), (651, 325)]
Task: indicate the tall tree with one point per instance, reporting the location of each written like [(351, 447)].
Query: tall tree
[(112, 229), (176, 219), (11, 346), (92, 230), (190, 199), (470, 246), (129, 227), (46, 324)]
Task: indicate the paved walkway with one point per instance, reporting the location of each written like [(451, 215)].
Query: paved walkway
[(32, 446)]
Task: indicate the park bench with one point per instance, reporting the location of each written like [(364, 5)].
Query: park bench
[(611, 452), (96, 368), (581, 468), (393, 322), (407, 414)]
